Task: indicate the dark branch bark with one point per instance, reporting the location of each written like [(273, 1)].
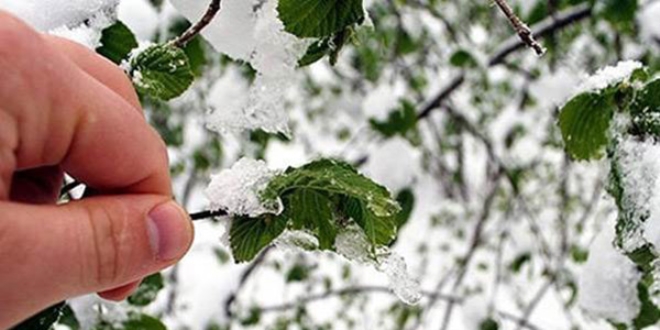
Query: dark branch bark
[(195, 29)]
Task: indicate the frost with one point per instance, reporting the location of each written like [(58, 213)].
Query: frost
[(608, 282), (609, 75), (352, 244), (236, 190), (250, 30)]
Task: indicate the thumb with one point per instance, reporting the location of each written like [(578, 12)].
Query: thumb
[(50, 253)]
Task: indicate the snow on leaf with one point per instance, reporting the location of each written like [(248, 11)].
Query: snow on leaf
[(236, 190)]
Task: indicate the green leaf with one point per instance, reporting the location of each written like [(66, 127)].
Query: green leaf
[(399, 122), (248, 236), (143, 322), (315, 52), (649, 314), (489, 324), (309, 209), (162, 72), (69, 318), (335, 178), (406, 199), (646, 109), (517, 263), (379, 230), (44, 319), (117, 41), (620, 13), (147, 291), (319, 18), (321, 198), (584, 123), (462, 59)]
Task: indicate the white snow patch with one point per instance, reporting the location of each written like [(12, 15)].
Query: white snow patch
[(608, 281), (236, 190), (609, 75), (46, 15), (250, 30), (639, 163)]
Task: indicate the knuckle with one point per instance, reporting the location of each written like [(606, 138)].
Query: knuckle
[(108, 252)]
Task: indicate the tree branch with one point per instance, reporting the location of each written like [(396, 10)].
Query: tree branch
[(207, 214), (195, 29), (521, 28), (540, 30)]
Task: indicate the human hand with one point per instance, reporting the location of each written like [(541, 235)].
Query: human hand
[(64, 109)]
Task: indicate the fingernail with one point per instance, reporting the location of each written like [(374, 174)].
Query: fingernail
[(169, 231)]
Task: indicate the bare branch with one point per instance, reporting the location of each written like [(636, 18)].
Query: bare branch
[(521, 28), (195, 29)]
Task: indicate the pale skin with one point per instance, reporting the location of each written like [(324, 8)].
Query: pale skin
[(65, 109)]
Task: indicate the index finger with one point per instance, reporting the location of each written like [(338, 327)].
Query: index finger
[(55, 113)]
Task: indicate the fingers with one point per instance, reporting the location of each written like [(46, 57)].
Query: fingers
[(71, 118), (92, 245), (101, 69)]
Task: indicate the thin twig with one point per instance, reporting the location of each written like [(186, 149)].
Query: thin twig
[(207, 214), (521, 28), (195, 29)]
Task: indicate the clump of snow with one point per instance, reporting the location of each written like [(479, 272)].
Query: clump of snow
[(609, 75), (607, 286), (87, 34), (639, 166), (250, 30), (79, 20), (236, 190), (46, 15), (352, 244)]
